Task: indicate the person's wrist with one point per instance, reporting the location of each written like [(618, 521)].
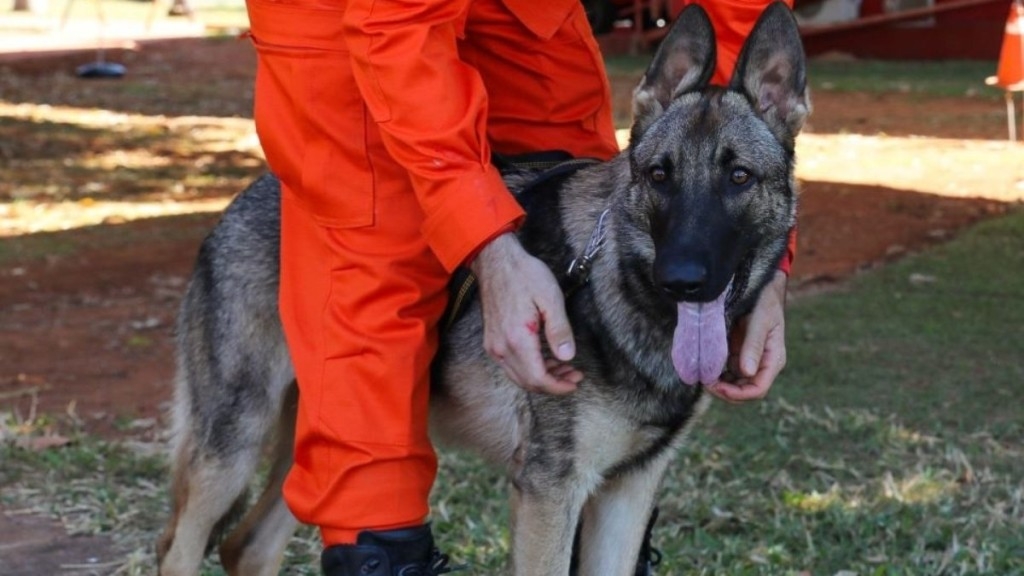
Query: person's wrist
[(506, 230), (778, 284), (498, 247)]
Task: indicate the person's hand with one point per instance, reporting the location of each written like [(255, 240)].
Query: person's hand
[(757, 347), (522, 300)]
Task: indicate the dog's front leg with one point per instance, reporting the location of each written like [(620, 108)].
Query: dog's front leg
[(543, 526), (614, 520), (547, 496)]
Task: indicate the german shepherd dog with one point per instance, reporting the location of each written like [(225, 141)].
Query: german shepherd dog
[(677, 235)]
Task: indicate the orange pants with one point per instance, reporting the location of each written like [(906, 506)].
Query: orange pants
[(387, 186)]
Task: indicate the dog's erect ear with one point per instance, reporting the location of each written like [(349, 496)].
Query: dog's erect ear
[(772, 72), (684, 62)]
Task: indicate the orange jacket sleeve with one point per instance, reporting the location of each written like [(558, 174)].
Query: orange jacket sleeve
[(431, 110)]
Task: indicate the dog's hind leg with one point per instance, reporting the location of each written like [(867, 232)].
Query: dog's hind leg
[(614, 520), (206, 489), (256, 546), (219, 446)]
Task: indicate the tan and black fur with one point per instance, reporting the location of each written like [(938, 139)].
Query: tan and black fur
[(594, 458)]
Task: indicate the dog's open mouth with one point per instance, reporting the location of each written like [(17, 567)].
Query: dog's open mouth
[(700, 346)]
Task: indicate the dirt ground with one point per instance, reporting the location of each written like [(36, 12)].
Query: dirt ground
[(86, 332)]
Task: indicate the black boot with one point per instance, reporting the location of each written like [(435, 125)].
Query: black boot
[(405, 552)]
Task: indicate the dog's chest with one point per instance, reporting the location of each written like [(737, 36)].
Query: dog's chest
[(606, 439)]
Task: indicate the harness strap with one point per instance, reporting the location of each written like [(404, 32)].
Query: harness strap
[(462, 290)]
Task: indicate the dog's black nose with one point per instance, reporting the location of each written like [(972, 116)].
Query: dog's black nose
[(685, 281)]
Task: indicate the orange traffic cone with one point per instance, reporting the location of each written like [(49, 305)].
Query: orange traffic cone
[(1010, 74), (1011, 70)]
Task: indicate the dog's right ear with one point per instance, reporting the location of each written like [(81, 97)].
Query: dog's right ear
[(684, 62)]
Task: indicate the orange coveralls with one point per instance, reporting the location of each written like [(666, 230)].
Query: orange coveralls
[(379, 118)]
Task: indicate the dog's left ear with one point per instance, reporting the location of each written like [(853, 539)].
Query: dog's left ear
[(684, 62), (772, 72)]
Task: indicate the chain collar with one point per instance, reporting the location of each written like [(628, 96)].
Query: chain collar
[(578, 273)]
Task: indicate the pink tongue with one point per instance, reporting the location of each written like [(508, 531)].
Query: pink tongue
[(699, 346)]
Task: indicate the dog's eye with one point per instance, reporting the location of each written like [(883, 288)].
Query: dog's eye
[(740, 177), (658, 174)]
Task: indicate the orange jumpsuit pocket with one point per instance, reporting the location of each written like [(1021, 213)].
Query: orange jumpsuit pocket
[(543, 19), (307, 109), (382, 410)]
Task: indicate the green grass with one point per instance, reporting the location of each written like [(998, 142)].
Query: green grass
[(955, 78), (92, 487), (946, 321), (892, 445)]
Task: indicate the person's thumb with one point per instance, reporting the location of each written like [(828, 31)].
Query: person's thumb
[(753, 347), (558, 331)]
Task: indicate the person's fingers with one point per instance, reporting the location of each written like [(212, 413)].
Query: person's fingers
[(525, 364), (563, 371), (558, 387), (752, 349), (522, 303), (524, 357), (756, 386), (740, 391), (557, 329), (773, 360), (545, 384), (762, 348)]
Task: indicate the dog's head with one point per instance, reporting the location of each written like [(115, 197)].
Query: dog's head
[(712, 172)]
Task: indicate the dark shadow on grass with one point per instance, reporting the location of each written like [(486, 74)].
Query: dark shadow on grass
[(182, 77), (45, 161)]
